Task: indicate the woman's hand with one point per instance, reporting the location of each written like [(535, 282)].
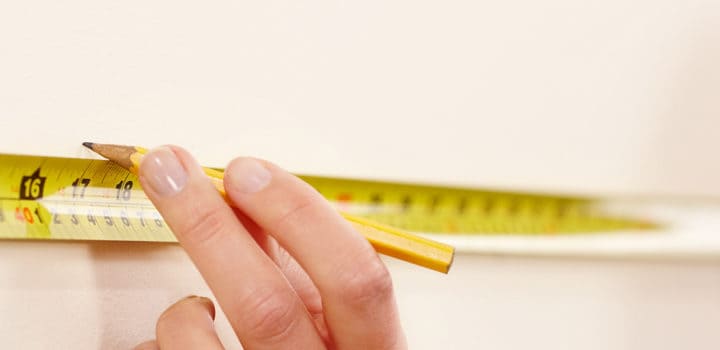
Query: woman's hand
[(288, 271)]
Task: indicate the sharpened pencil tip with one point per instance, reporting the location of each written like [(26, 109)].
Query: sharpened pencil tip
[(88, 145)]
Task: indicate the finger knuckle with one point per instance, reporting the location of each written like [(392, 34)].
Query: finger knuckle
[(269, 316), (366, 284), (298, 210), (203, 226)]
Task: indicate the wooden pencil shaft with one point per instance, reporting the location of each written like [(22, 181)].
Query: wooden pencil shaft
[(386, 240)]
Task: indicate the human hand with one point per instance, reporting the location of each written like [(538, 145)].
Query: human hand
[(288, 271)]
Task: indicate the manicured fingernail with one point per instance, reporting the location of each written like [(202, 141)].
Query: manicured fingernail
[(162, 170), (248, 175)]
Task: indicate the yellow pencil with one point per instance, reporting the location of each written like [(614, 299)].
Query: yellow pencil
[(385, 239)]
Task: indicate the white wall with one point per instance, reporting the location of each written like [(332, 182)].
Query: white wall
[(616, 96), (611, 97)]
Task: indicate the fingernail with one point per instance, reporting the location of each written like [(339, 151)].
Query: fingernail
[(208, 303), (163, 172), (247, 175)]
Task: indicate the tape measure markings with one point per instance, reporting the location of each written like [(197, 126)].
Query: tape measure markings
[(68, 198)]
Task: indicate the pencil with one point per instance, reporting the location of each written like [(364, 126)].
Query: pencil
[(385, 239)]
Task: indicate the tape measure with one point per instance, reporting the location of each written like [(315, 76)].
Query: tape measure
[(86, 199)]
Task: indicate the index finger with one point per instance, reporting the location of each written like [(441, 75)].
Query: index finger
[(258, 301)]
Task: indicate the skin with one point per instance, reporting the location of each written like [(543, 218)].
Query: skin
[(286, 269)]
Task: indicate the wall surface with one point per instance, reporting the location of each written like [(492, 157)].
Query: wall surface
[(599, 97)]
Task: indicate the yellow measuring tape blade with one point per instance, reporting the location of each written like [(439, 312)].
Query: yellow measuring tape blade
[(84, 199), (66, 198)]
